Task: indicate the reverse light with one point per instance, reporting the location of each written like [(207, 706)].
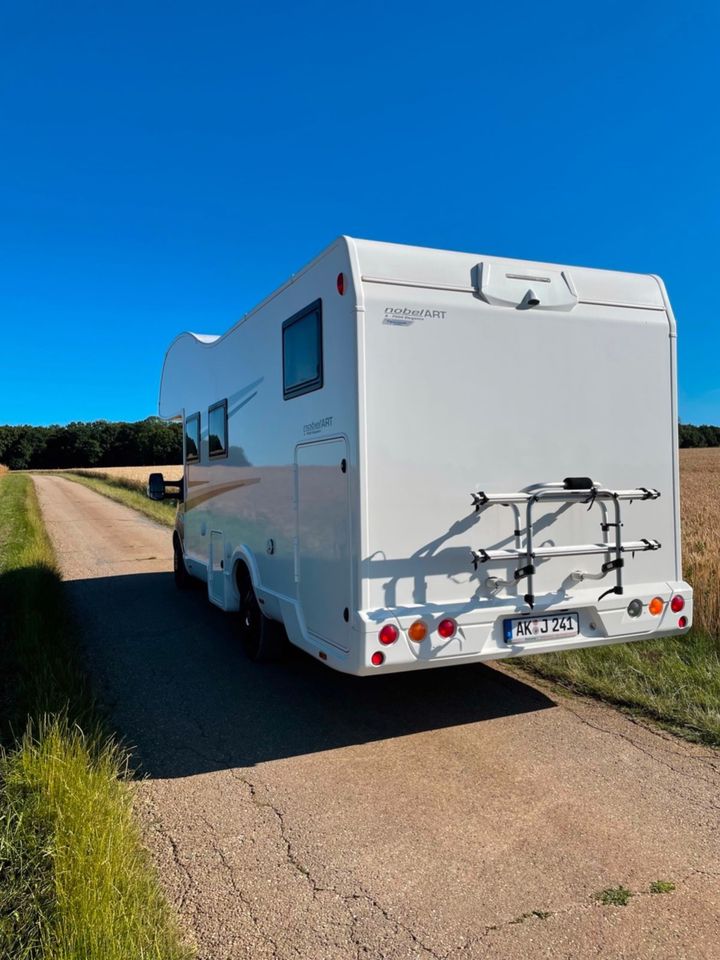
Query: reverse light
[(377, 658), (677, 604), (682, 622), (418, 631), (446, 628), (388, 634), (341, 283), (655, 607), (634, 608)]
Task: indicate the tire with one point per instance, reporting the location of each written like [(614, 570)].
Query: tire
[(263, 640), (183, 580)]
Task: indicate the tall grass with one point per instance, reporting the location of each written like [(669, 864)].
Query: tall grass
[(676, 681), (75, 883), (80, 885)]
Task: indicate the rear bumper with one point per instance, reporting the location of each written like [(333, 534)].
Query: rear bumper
[(480, 628)]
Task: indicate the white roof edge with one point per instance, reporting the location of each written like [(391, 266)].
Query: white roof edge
[(432, 266)]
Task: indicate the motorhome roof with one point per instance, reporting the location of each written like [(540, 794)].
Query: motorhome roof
[(399, 264)]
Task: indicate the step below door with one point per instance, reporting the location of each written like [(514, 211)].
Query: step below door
[(323, 539)]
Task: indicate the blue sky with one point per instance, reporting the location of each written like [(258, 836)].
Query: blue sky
[(165, 165)]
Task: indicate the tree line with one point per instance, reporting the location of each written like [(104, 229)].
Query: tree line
[(101, 443), (96, 444), (703, 436)]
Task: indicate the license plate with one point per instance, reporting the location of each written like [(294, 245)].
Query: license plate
[(551, 627)]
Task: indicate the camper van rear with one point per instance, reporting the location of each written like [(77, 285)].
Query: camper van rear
[(406, 458)]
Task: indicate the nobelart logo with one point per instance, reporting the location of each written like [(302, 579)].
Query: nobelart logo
[(406, 315), (317, 426)]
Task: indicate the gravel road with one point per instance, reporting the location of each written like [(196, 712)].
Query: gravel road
[(457, 813)]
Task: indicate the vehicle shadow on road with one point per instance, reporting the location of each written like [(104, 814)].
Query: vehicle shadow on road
[(170, 670)]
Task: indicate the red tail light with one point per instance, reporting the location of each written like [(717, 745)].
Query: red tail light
[(388, 634), (682, 622), (341, 283), (446, 628), (677, 604), (377, 658)]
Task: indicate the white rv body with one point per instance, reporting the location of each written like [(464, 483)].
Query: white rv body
[(442, 374)]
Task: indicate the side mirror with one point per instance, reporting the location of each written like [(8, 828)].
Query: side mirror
[(156, 486)]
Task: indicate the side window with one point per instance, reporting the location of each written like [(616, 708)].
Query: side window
[(217, 429), (192, 438), (302, 352)]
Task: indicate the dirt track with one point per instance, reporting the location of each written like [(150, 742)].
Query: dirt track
[(294, 812)]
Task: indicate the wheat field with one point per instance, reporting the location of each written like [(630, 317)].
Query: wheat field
[(136, 475), (700, 518)]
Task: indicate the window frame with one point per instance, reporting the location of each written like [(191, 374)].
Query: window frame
[(196, 457), (219, 454), (317, 382)]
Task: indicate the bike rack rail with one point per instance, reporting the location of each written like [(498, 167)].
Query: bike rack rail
[(571, 490)]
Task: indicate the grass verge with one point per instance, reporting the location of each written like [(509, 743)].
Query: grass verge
[(126, 491), (74, 878), (674, 681)]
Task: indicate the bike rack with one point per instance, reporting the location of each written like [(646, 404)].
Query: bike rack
[(571, 490)]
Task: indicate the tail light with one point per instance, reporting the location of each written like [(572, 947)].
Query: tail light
[(341, 283), (388, 634), (418, 631), (378, 658), (446, 628), (677, 604), (655, 607), (682, 622)]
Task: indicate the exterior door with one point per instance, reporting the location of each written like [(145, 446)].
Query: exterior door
[(323, 567)]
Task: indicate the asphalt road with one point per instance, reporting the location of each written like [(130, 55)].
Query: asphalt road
[(295, 812)]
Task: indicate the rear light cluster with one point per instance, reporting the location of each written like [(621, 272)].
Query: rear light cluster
[(656, 607), (417, 631)]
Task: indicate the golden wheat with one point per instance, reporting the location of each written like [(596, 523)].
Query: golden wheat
[(137, 475), (700, 514)]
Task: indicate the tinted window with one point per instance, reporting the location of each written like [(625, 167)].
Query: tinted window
[(192, 437), (302, 351), (217, 429)]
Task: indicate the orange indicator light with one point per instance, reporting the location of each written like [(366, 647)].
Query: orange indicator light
[(656, 606)]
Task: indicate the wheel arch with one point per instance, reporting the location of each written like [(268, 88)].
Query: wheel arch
[(242, 559)]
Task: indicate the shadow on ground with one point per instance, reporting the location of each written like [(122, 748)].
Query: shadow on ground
[(170, 670)]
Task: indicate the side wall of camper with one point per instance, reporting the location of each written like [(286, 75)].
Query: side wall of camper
[(274, 484)]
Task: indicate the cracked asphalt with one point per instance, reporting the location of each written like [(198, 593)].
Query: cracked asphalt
[(457, 813)]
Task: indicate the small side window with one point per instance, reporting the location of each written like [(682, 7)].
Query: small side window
[(192, 438), (302, 352), (217, 429)]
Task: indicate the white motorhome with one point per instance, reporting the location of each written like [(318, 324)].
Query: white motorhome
[(410, 458)]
